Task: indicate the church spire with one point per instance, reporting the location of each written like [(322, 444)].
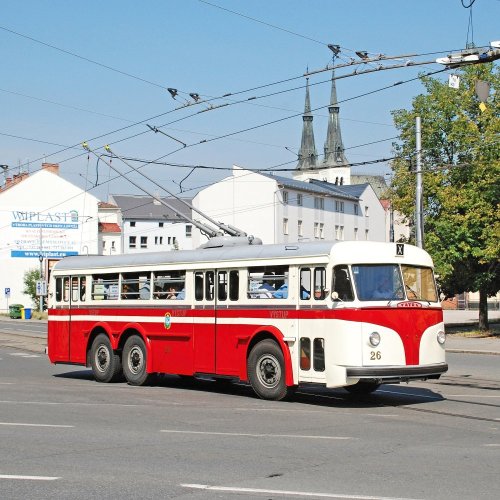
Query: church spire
[(334, 148), (307, 153)]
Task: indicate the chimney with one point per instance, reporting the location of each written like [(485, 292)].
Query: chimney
[(51, 167)]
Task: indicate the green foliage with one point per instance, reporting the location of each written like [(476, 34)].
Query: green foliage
[(461, 165), (30, 278)]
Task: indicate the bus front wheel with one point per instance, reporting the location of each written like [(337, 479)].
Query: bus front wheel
[(105, 363), (266, 370), (134, 361)]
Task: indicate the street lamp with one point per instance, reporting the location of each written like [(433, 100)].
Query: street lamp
[(471, 56)]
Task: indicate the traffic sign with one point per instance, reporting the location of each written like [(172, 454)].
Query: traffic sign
[(7, 293), (41, 287)]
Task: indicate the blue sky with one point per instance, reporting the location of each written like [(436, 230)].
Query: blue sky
[(47, 96)]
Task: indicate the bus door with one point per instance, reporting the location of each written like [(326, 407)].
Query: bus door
[(312, 331), (226, 323), (204, 321)]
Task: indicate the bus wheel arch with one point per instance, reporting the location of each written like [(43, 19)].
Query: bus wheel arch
[(102, 358), (267, 367)]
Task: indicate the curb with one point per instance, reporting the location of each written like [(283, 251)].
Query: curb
[(470, 351)]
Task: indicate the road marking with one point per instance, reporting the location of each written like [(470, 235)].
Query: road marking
[(288, 493), (24, 355), (35, 425), (492, 444), (243, 434), (48, 403), (29, 478)]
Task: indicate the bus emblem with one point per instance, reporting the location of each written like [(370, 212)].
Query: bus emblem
[(409, 304), (168, 321)]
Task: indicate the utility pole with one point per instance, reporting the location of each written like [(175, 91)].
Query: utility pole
[(40, 258), (419, 231)]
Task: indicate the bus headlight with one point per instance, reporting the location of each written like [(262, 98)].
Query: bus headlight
[(441, 337), (374, 339)]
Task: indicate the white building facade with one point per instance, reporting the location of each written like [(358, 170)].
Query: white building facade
[(281, 210), (43, 218)]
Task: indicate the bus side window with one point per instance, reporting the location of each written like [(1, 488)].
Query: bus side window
[(198, 285), (305, 284), (59, 288), (222, 285), (320, 290), (234, 285), (209, 285), (75, 291), (342, 283), (83, 288), (66, 290)]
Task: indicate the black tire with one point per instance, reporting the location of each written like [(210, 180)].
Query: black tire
[(106, 364), (362, 388), (134, 361), (266, 370)]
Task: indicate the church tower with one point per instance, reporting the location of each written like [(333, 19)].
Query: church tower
[(334, 168), (308, 156)]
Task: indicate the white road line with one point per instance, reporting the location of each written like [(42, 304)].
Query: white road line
[(24, 355), (288, 493), (243, 434), (29, 478), (492, 444), (48, 403), (35, 425)]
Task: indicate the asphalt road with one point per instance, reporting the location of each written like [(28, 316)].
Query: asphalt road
[(63, 435)]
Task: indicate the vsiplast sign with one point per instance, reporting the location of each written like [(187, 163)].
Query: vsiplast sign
[(49, 234)]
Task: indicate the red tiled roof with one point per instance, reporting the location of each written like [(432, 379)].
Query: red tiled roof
[(109, 227), (103, 204)]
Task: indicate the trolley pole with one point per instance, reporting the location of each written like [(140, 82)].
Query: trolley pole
[(419, 231)]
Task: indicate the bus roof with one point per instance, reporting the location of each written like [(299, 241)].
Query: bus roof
[(345, 252)]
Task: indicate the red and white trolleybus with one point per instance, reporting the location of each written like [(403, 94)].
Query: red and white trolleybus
[(343, 314)]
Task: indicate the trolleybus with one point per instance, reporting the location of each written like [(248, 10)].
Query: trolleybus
[(342, 314)]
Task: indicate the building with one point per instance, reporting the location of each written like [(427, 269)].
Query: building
[(43, 218), (281, 210), (110, 232), (147, 225)]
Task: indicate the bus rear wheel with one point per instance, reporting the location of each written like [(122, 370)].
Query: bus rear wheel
[(266, 370), (134, 361), (105, 363)]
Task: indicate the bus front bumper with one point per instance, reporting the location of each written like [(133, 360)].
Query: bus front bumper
[(386, 374)]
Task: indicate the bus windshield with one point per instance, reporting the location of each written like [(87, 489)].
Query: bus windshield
[(387, 282)]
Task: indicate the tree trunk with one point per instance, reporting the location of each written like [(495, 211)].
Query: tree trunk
[(483, 311)]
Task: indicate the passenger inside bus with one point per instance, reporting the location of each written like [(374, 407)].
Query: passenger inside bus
[(384, 290), (172, 292)]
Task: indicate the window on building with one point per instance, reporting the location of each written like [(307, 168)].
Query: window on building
[(299, 200), (285, 197), (356, 233), (366, 210), (285, 226), (189, 230), (299, 228), (366, 234), (144, 242), (132, 241), (316, 230), (169, 240), (356, 209), (339, 206), (132, 223), (160, 224), (342, 206), (104, 245), (341, 232), (113, 245), (321, 231), (174, 240), (158, 240), (337, 232), (319, 203)]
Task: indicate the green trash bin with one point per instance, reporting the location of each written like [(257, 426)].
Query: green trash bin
[(15, 311)]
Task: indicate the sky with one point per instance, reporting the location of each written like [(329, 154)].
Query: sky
[(98, 72)]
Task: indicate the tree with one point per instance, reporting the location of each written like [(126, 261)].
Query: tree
[(31, 276), (461, 172)]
